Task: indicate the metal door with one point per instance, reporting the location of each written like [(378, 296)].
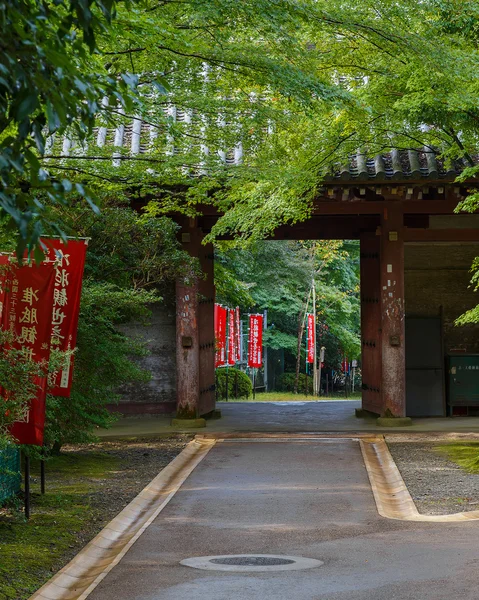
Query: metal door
[(425, 379)]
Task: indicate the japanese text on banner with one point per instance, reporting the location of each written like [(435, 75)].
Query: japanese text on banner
[(311, 339), (29, 312), (231, 338), (69, 260), (220, 335), (255, 341)]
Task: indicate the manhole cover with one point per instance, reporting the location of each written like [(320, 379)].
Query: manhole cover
[(251, 563)]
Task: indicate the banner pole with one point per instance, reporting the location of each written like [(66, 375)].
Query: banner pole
[(227, 381), (254, 383), (27, 486)]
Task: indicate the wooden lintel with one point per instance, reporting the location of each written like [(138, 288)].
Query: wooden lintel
[(425, 207), (441, 235)]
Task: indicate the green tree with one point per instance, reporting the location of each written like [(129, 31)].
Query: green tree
[(51, 79), (124, 275), (277, 276), (17, 373)]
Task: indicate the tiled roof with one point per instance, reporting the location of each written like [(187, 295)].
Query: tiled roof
[(396, 165)]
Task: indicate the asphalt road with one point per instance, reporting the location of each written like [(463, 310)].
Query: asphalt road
[(309, 499)]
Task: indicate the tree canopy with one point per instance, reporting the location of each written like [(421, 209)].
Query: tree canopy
[(277, 276), (299, 84)]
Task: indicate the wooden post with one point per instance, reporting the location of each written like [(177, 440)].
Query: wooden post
[(371, 316), (42, 476), (187, 350), (392, 311), (195, 341), (27, 486)]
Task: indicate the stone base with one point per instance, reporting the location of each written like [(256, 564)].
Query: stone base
[(394, 422), (361, 413), (214, 414), (189, 423)]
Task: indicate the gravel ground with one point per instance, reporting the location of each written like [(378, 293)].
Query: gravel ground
[(437, 485), (140, 462)]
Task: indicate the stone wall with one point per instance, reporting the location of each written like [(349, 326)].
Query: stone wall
[(439, 275), (157, 396)]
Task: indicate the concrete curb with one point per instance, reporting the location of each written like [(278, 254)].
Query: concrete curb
[(392, 497), (84, 572)]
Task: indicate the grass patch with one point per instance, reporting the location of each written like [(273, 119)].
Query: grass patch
[(30, 552), (290, 397), (465, 454)]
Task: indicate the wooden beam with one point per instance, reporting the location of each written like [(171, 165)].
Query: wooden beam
[(441, 235)]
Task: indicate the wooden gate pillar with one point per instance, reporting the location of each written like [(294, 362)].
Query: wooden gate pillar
[(392, 309), (195, 372), (371, 338)]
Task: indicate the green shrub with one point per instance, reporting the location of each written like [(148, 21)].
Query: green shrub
[(235, 378), (286, 383)]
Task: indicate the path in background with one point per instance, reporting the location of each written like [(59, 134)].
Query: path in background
[(301, 498), (287, 417)]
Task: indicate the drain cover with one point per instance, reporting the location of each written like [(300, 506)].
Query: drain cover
[(251, 563)]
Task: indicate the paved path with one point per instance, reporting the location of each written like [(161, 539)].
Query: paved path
[(288, 416), (303, 498)]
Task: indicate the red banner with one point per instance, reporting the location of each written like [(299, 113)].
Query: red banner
[(29, 316), (69, 262), (238, 335), (231, 338), (311, 339), (255, 341), (220, 335)]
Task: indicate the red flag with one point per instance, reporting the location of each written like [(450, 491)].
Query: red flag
[(29, 313), (231, 338), (69, 262), (220, 335), (311, 339), (255, 341), (238, 335)]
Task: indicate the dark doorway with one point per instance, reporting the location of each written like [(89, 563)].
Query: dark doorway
[(425, 382)]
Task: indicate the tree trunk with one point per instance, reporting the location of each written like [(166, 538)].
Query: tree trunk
[(301, 321)]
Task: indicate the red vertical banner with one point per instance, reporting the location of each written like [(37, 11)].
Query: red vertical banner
[(238, 334), (311, 339), (231, 338), (29, 312), (220, 335), (255, 341), (69, 260)]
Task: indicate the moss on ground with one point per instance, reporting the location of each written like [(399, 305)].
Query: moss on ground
[(31, 552), (465, 454)]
